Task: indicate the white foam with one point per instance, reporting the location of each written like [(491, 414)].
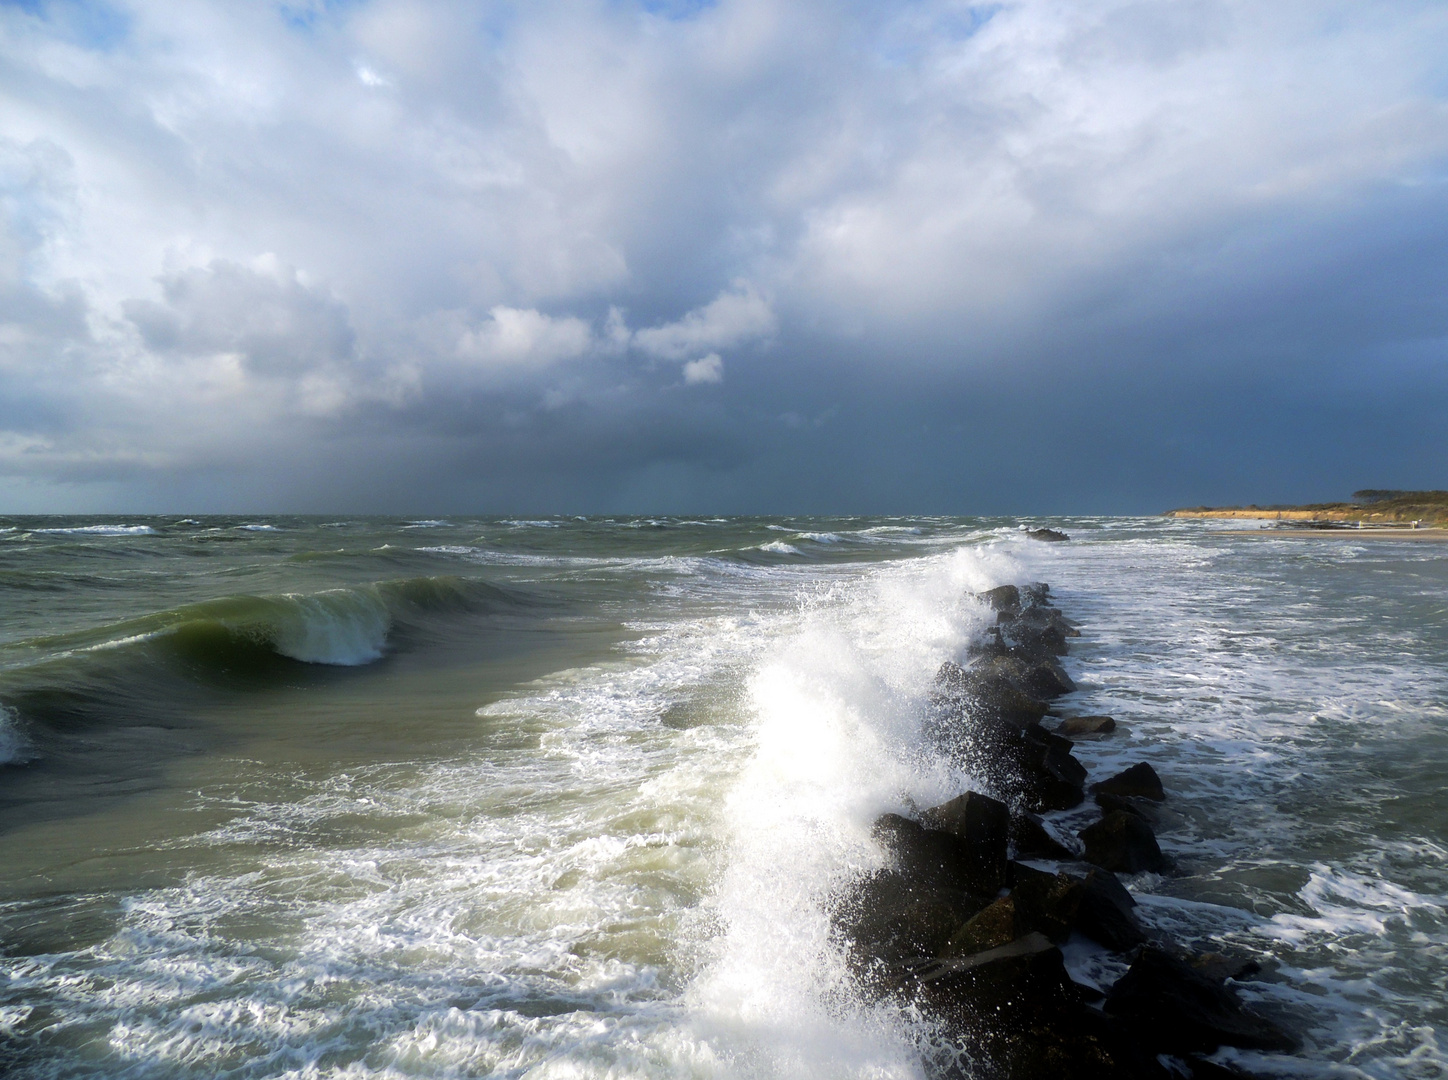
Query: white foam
[(779, 547), (99, 530), (259, 528), (820, 537)]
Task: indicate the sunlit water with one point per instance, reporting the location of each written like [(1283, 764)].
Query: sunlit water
[(567, 798)]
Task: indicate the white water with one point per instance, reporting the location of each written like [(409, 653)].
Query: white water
[(341, 627), (627, 876)]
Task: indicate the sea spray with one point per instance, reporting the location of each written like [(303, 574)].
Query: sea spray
[(838, 707)]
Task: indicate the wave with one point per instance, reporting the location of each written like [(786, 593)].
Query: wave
[(259, 528), (12, 742), (820, 537), (779, 547), (98, 530)]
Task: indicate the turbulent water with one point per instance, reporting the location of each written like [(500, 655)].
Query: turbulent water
[(567, 798)]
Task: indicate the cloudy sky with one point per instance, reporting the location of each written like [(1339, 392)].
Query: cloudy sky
[(749, 255)]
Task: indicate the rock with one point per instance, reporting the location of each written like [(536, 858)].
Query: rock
[(984, 825), (1139, 781), (1141, 808), (1123, 842), (1039, 631), (1050, 776), (1025, 977), (988, 929), (939, 859), (1221, 967), (985, 695), (1003, 598), (1043, 677), (1175, 1009), (1033, 840), (1037, 593), (1086, 725), (1045, 903), (892, 922), (1050, 535), (1104, 913)]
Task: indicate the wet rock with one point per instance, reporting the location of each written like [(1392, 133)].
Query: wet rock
[(1173, 1008), (1036, 593), (988, 929), (983, 824), (1104, 913), (1086, 725), (1123, 842), (939, 859), (1141, 808), (1050, 535), (987, 696), (1003, 598), (1139, 781), (892, 921), (1025, 977), (1033, 840), (1045, 903), (1220, 967), (1039, 631), (1042, 677), (1050, 777)]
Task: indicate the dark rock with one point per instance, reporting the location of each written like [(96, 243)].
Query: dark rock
[(984, 825), (1050, 777), (1104, 913), (892, 921), (1139, 781), (1033, 840), (1027, 977), (986, 695), (1139, 807), (939, 859), (1036, 594), (1043, 677), (1086, 725), (1175, 1009), (1039, 631), (1123, 842), (1221, 967), (1050, 535), (1003, 598), (988, 929), (1045, 903)]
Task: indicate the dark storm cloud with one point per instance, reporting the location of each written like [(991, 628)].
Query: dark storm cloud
[(736, 256)]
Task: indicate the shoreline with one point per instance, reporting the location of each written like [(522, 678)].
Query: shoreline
[(1435, 534)]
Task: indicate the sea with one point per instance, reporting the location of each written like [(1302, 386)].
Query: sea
[(569, 797)]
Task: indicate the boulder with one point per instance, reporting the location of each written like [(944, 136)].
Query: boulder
[(985, 695), (1045, 903), (1104, 913), (891, 922), (1024, 978), (939, 859), (1033, 840), (1042, 677), (1140, 781), (1141, 808), (1176, 1009), (1003, 598), (1050, 776), (1221, 967), (1036, 594), (1049, 535), (987, 929), (1123, 842), (984, 825), (1086, 725)]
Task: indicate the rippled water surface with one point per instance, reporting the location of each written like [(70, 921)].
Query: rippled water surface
[(564, 798)]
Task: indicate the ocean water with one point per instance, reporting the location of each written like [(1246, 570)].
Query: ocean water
[(567, 798)]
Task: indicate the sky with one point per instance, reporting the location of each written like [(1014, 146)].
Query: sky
[(670, 256)]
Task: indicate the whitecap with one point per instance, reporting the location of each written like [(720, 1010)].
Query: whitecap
[(259, 528), (779, 547), (100, 530)]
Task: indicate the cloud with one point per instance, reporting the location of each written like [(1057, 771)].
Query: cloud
[(707, 369), (234, 238), (732, 318), (513, 336)]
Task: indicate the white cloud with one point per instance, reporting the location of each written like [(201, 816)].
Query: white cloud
[(732, 318), (706, 369), (525, 337)]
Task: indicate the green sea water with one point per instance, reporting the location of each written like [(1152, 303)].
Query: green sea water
[(567, 798)]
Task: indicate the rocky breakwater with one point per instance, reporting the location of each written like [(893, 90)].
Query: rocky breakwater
[(966, 925)]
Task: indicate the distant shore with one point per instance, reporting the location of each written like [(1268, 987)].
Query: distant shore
[(1431, 532), (1375, 512)]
